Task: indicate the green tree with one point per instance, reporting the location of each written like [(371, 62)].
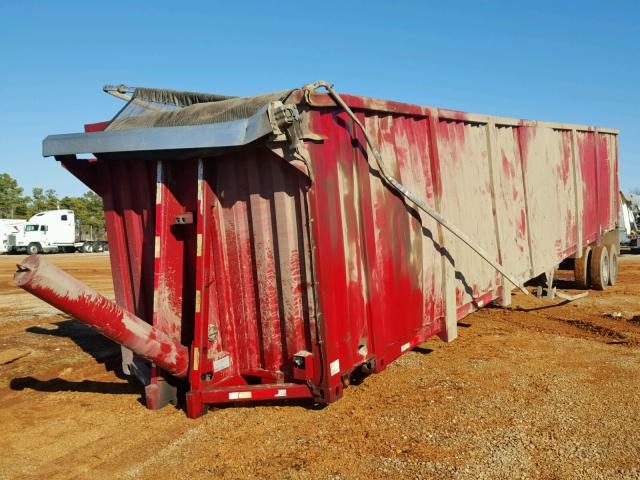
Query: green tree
[(95, 215), (88, 211), (12, 201), (42, 200)]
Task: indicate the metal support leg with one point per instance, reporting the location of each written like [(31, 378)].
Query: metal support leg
[(451, 321), (550, 289), (505, 297), (159, 394)]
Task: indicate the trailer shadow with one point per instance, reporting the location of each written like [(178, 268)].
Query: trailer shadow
[(103, 350), (543, 307), (84, 386), (305, 403)]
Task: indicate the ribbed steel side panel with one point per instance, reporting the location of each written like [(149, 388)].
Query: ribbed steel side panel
[(127, 188), (383, 269), (258, 285), (466, 201), (511, 206), (379, 275)]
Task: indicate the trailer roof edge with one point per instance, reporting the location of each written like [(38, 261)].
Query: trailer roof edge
[(226, 134)]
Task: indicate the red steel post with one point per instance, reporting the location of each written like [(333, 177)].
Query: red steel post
[(68, 294)]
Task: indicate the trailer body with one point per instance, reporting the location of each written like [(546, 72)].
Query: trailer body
[(283, 261)]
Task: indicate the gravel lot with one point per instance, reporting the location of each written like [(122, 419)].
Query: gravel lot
[(544, 389)]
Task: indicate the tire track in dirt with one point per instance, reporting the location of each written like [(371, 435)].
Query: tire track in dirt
[(539, 390)]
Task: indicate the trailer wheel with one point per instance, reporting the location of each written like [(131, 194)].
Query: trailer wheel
[(613, 264), (581, 269), (98, 247), (600, 267), (87, 247), (34, 249)]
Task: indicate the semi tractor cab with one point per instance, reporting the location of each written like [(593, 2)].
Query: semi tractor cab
[(9, 226), (52, 231)]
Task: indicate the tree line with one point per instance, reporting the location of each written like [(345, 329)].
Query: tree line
[(15, 204)]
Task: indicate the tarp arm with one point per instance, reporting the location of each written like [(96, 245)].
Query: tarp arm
[(120, 91), (402, 190)]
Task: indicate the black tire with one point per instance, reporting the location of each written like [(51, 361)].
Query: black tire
[(600, 267), (613, 265), (34, 249), (581, 269), (87, 247), (99, 247)]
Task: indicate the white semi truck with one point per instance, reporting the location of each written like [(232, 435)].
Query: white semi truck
[(9, 226), (629, 220), (51, 232)]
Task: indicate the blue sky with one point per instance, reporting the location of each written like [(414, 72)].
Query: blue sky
[(561, 61)]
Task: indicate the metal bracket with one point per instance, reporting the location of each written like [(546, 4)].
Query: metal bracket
[(185, 218), (282, 116), (285, 120)]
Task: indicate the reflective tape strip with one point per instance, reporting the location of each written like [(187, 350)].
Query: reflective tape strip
[(196, 358), (239, 395)]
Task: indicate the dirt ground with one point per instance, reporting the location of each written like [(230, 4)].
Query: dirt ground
[(544, 389)]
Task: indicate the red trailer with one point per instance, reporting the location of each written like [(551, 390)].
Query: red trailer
[(267, 247)]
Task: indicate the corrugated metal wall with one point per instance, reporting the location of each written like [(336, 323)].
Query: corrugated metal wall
[(258, 285), (384, 268)]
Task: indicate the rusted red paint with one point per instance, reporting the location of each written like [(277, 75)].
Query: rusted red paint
[(338, 267), (453, 114), (605, 195), (564, 168), (588, 167), (173, 274)]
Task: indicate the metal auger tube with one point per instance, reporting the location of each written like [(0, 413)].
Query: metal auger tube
[(74, 298)]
